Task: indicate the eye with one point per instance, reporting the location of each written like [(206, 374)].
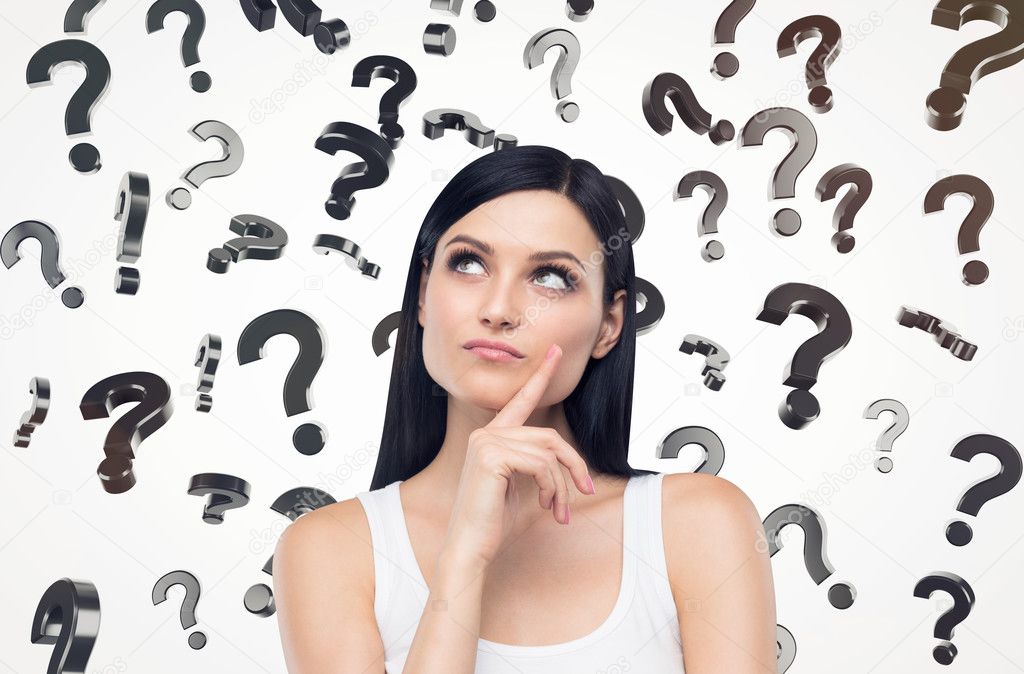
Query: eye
[(457, 257)]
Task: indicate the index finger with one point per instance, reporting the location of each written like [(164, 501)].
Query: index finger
[(518, 409)]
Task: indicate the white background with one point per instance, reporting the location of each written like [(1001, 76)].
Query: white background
[(884, 531)]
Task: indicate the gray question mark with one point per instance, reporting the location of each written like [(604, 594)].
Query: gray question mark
[(561, 76), (309, 438), (803, 145), (900, 421), (475, 132), (84, 157), (39, 387), (200, 80), (197, 639), (49, 257), (261, 239), (719, 195), (840, 595), (963, 601), (860, 189), (705, 438), (785, 646), (234, 151)]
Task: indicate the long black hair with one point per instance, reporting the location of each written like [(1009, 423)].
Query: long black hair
[(599, 409)]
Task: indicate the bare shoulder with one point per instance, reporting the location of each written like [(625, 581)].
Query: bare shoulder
[(324, 591)]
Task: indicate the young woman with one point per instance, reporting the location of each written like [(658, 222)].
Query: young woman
[(450, 564)]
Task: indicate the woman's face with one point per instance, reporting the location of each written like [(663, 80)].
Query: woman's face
[(483, 286)]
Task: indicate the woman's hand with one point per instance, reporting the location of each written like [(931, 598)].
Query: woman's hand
[(486, 503)]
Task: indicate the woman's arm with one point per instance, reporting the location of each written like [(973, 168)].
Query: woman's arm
[(720, 574), (323, 590), (446, 637)]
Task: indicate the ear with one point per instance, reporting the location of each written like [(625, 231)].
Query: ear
[(611, 326), (424, 274)]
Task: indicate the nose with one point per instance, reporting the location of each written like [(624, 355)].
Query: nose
[(500, 308)]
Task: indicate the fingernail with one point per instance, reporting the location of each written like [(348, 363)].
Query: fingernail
[(551, 352), (590, 483)]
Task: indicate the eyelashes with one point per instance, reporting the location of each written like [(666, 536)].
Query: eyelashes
[(456, 257)]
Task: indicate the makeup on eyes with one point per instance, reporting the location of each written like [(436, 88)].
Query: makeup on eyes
[(457, 256)]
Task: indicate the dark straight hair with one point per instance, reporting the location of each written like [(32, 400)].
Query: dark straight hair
[(600, 407)]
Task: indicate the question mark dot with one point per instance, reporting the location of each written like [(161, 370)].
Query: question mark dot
[(85, 158), (841, 595), (201, 81), (799, 408), (786, 222), (820, 99), (330, 36), (944, 653), (179, 198), (309, 439), (485, 11), (975, 272), (217, 260), (568, 111), (959, 533), (725, 65), (116, 474), (713, 250), (946, 108), (722, 132), (883, 464), (843, 242), (393, 133), (196, 640), (72, 297), (259, 600)]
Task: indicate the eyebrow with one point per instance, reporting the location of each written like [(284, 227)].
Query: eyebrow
[(534, 257)]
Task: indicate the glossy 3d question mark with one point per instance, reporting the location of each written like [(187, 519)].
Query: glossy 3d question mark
[(233, 154), (716, 358), (154, 409), (49, 256), (473, 130), (689, 109), (803, 144), (84, 157), (726, 64), (197, 639), (131, 208), (900, 422), (404, 77), (946, 105), (974, 272), (39, 387), (834, 331), (861, 185), (963, 601), (68, 616), (372, 171), (831, 36), (207, 359), (719, 197), (959, 533), (155, 16), (785, 646), (561, 75), (260, 239), (840, 595), (222, 493), (302, 15), (632, 207), (945, 333), (705, 438), (654, 306), (78, 14), (325, 244), (309, 438), (294, 503)]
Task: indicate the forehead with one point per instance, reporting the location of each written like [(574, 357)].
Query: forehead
[(527, 221)]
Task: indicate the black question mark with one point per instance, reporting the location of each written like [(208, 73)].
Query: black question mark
[(404, 77), (372, 171), (963, 601), (68, 615), (959, 533)]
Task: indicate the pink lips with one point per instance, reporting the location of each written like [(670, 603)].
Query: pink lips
[(492, 350)]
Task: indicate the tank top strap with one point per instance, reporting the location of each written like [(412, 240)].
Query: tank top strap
[(652, 572), (381, 514)]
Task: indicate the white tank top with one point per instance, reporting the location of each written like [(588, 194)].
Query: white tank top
[(641, 634)]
